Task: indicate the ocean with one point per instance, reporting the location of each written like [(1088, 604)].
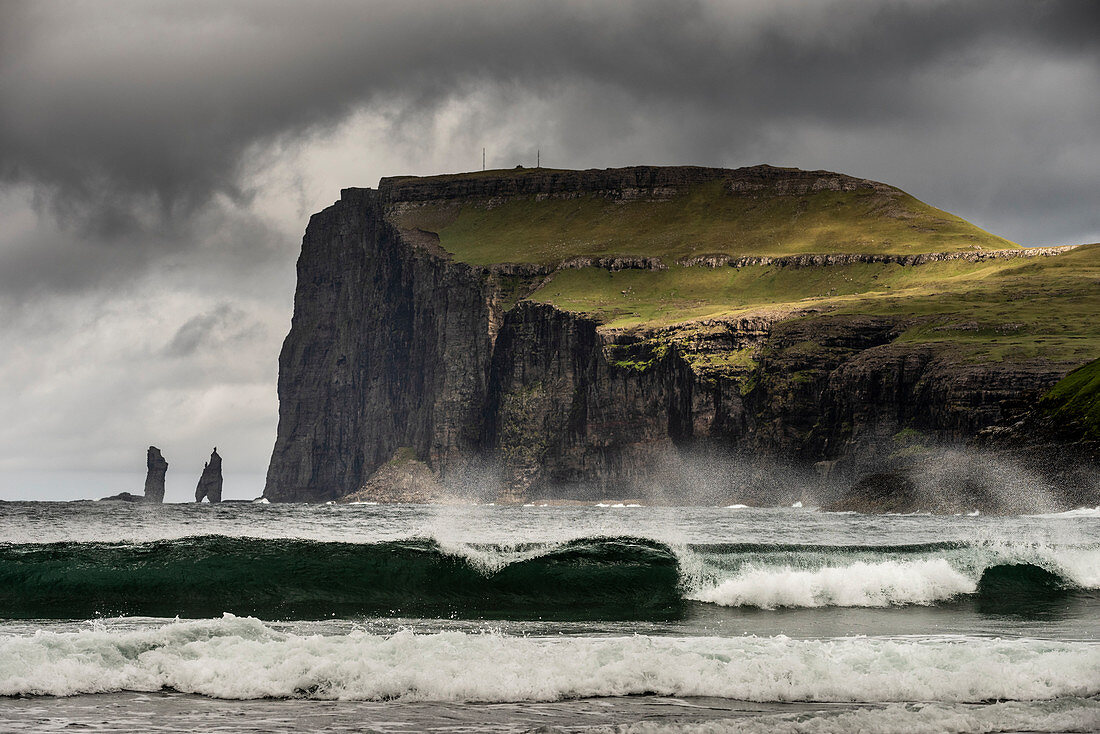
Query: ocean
[(482, 618)]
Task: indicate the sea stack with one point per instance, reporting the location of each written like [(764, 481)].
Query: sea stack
[(154, 479), (210, 483)]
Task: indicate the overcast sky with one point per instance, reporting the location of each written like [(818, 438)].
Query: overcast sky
[(159, 161)]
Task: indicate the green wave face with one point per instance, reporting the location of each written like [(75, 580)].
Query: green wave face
[(586, 579), (1020, 589), (298, 579)]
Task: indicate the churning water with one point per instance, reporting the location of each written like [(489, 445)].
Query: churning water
[(244, 617)]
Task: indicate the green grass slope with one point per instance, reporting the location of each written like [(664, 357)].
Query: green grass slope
[(1075, 400), (1014, 308), (700, 219)]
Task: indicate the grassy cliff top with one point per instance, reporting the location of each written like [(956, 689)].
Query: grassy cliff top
[(1076, 400), (1014, 308), (547, 216), (1007, 308)]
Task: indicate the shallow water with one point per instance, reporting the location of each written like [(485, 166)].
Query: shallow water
[(247, 617)]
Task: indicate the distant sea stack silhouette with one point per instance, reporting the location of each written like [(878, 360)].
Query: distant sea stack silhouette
[(210, 483), (154, 479), (123, 497)]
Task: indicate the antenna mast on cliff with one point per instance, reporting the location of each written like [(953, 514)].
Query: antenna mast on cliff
[(538, 158), (483, 159)]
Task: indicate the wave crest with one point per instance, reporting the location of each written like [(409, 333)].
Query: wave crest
[(610, 578), (859, 584), (586, 578)]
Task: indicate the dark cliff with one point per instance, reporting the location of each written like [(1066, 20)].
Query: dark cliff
[(389, 348), (399, 351)]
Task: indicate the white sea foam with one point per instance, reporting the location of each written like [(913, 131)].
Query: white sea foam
[(1081, 566), (241, 658), (858, 584), (848, 580), (1068, 715)]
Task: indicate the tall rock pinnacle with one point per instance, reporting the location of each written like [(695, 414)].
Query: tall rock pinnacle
[(154, 479), (210, 483)]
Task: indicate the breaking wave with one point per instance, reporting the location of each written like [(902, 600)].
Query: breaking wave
[(860, 584), (242, 658), (588, 578), (999, 577), (302, 579)]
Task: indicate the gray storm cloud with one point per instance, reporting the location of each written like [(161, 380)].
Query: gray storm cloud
[(127, 118), (158, 160), (222, 324)]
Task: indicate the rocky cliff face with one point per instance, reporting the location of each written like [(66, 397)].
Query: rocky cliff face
[(389, 348), (397, 350)]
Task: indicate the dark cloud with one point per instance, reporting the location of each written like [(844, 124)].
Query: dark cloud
[(216, 248), (150, 191), (201, 330), (130, 118)]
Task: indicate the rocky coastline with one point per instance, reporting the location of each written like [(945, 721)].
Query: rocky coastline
[(399, 353)]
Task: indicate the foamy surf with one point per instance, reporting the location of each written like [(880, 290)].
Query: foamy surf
[(242, 658), (819, 576), (859, 584)]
